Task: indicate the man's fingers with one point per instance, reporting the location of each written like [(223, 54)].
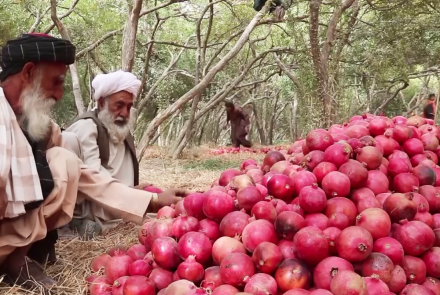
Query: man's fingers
[(180, 192)]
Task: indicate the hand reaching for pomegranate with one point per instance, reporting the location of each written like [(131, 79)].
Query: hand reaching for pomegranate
[(167, 198), (142, 185)]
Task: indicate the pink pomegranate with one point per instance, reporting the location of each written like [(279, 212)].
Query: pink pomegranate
[(197, 244), (193, 204), (400, 206), (257, 232), (288, 223), (267, 256), (264, 210), (378, 265), (415, 289), (323, 169), (371, 156), (432, 195), (101, 286), (356, 172), (303, 179), (376, 221), (225, 246), (100, 262), (166, 211), (210, 229), (413, 147), (391, 248), (402, 133), (313, 159), (354, 244), (225, 290), (415, 269), (217, 205), (332, 234), (388, 144), (336, 184), (432, 284), (432, 262), (376, 285), (319, 139), (399, 165), (271, 158), (341, 205), (357, 131), (360, 194), (228, 175), (370, 202), (347, 282), (165, 253), (161, 278), (318, 220), (327, 269), (233, 224), (425, 175), (312, 199), (398, 279), (430, 142), (282, 187), (293, 274), (337, 154), (236, 269), (183, 224), (415, 236), (256, 175), (311, 245), (377, 126), (117, 266), (190, 270)]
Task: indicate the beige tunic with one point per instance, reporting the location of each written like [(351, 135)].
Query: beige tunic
[(70, 176), (81, 138)]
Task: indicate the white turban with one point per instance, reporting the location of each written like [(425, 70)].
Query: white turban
[(107, 84)]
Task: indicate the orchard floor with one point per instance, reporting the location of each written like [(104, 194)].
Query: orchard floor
[(197, 169)]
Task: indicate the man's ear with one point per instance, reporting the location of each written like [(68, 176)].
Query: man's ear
[(101, 103), (28, 72)]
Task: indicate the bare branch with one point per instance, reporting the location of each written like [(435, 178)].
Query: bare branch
[(386, 102), (66, 14), (97, 43), (38, 20), (147, 11)]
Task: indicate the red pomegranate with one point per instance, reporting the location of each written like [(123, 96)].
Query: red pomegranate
[(376, 285), (341, 205), (432, 284), (261, 284), (354, 244), (391, 248), (264, 210), (303, 179), (293, 274), (337, 154), (432, 195), (282, 187), (425, 175), (398, 279), (376, 221), (225, 246), (267, 256), (233, 224), (356, 172), (193, 204), (347, 282), (323, 169), (370, 202), (318, 139), (280, 166), (415, 269), (415, 236), (338, 220), (325, 271), (197, 244), (399, 165), (190, 270), (430, 142), (217, 205), (371, 156), (413, 147), (183, 224), (360, 194), (405, 182), (225, 290), (415, 289), (228, 175), (312, 199), (318, 220), (288, 223), (271, 158), (400, 206), (236, 269), (161, 278), (357, 131), (165, 253), (377, 182), (332, 234), (432, 262), (402, 133), (117, 266), (380, 265), (257, 232), (377, 126), (313, 159), (210, 229), (311, 245), (388, 144), (336, 184)]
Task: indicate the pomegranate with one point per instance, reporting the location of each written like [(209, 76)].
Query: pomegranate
[(377, 126), (425, 175), (267, 256), (418, 159), (415, 289), (303, 179), (143, 230), (118, 286), (357, 131), (430, 142), (212, 278), (256, 175), (313, 159), (233, 224), (424, 217), (382, 197), (388, 144), (139, 267), (347, 282), (281, 187), (247, 163), (190, 270), (356, 172), (210, 229), (376, 285), (380, 265), (432, 195), (341, 205), (354, 244), (287, 248), (293, 292), (332, 234), (117, 266), (413, 147), (415, 236), (377, 182), (271, 158), (376, 221), (181, 287), (318, 139), (371, 156), (264, 210), (278, 204), (236, 269), (262, 189), (431, 156), (405, 182), (165, 253), (367, 203), (261, 284), (217, 205), (292, 274), (323, 169), (228, 175), (152, 189), (318, 220), (197, 244), (432, 262), (402, 133), (432, 284), (100, 262), (390, 247), (312, 199), (336, 184), (437, 237), (101, 286), (161, 278), (399, 165), (338, 220), (166, 211), (288, 223), (267, 177), (311, 245), (327, 269), (436, 220), (337, 154), (257, 232), (225, 290), (398, 279), (400, 206), (280, 166), (225, 246), (360, 194), (320, 292), (183, 224), (193, 204), (415, 269), (159, 228)]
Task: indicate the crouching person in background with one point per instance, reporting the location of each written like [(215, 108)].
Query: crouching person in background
[(39, 179)]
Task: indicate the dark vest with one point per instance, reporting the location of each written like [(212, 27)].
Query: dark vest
[(103, 143)]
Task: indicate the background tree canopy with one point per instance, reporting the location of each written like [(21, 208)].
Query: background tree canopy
[(320, 64)]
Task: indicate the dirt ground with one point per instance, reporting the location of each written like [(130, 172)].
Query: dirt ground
[(196, 171)]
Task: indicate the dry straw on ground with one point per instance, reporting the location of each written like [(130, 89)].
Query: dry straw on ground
[(157, 168)]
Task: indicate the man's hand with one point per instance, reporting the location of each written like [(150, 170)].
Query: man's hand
[(142, 185), (168, 197)]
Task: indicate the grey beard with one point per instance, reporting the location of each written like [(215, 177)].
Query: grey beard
[(117, 133)]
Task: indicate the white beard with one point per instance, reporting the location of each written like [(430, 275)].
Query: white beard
[(117, 132), (36, 109)]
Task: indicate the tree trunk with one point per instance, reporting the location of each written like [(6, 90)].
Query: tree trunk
[(73, 67), (259, 126), (129, 38), (294, 124), (201, 86)]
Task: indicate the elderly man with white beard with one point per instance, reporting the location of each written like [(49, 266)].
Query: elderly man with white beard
[(39, 179), (101, 138)]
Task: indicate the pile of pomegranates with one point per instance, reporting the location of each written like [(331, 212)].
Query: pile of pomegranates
[(236, 150), (353, 210)]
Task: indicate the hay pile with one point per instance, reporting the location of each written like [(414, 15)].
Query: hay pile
[(75, 255)]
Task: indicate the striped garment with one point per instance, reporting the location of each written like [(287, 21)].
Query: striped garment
[(19, 181)]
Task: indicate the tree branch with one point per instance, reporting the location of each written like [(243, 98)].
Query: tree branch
[(147, 11), (97, 43), (71, 9), (38, 20), (386, 102)]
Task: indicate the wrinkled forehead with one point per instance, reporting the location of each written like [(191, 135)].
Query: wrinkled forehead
[(121, 97)]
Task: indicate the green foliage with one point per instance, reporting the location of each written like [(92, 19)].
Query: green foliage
[(214, 164)]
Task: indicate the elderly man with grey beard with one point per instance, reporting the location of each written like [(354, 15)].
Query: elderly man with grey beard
[(39, 178), (101, 138)]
